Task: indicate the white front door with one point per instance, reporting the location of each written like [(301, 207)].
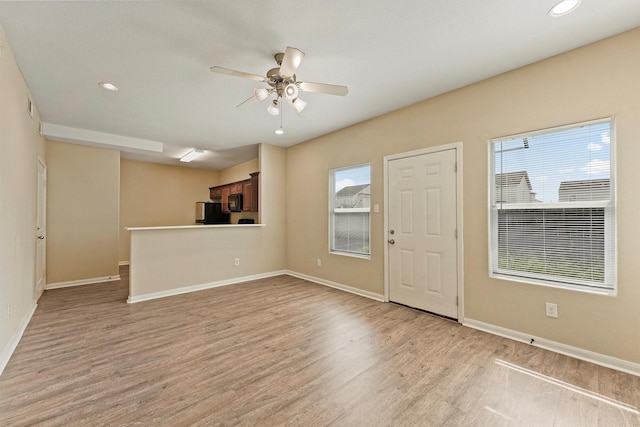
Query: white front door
[(41, 232), (422, 241)]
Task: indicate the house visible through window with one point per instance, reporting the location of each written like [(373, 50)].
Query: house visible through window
[(349, 210), (552, 207)]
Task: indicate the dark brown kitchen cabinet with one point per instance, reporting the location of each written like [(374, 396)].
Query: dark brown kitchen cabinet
[(248, 188), (215, 193), (225, 191), (254, 191), (235, 188)]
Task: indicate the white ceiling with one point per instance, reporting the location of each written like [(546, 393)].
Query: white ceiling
[(389, 54)]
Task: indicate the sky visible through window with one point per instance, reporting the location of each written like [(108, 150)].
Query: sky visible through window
[(352, 176), (574, 154)]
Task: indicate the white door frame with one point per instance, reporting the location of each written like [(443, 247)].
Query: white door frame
[(41, 198), (459, 242)]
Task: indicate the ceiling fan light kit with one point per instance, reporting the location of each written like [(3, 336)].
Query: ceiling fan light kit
[(298, 104), (273, 108), (261, 94), (291, 91), (283, 82)]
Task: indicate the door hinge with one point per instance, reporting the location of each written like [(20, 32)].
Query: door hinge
[(455, 166), (455, 232), (456, 300)]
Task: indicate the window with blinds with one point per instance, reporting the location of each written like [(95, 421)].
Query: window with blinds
[(349, 222), (553, 208)]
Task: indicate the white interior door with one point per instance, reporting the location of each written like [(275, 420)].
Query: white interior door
[(422, 218), (41, 232)]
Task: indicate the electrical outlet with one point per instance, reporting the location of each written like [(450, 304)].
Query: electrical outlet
[(237, 261), (9, 311), (319, 262), (551, 309)]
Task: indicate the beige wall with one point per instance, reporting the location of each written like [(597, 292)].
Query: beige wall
[(239, 172), (82, 212), (272, 203), (20, 147), (163, 261), (154, 194), (592, 82)]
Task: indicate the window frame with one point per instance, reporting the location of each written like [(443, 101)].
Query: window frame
[(609, 287), (332, 211)]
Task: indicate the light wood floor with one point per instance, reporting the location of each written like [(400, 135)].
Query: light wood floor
[(283, 351)]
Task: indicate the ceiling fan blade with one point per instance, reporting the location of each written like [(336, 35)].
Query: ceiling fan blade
[(290, 62), (235, 73), (323, 88)]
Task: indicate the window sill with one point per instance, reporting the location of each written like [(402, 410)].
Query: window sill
[(557, 285), (351, 255)]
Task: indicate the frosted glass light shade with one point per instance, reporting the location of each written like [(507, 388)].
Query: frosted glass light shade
[(261, 94), (298, 104), (291, 91), (273, 108)]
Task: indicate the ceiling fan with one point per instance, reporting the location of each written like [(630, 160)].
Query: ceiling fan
[(283, 83)]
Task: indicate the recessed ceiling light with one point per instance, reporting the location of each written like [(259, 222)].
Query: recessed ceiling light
[(564, 7), (108, 86)]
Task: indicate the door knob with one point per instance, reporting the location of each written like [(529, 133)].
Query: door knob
[(41, 237), (392, 241)]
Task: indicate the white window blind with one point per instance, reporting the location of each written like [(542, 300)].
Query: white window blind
[(349, 222), (552, 207)]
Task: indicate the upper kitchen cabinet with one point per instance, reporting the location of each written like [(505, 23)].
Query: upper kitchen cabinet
[(248, 188)]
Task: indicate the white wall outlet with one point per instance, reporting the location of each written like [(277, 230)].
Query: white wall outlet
[(319, 262), (551, 309), (8, 311), (236, 261), (376, 208)]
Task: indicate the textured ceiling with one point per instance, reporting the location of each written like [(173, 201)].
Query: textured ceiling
[(389, 54)]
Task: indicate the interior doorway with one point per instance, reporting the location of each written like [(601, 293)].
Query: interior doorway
[(423, 256), (41, 231)]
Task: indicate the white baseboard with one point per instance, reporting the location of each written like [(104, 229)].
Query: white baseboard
[(120, 263), (15, 338), (201, 287), (82, 282), (342, 287), (567, 350)]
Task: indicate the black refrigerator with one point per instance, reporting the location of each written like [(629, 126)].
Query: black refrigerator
[(211, 213)]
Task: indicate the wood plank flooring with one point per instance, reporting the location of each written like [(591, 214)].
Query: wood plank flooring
[(283, 351)]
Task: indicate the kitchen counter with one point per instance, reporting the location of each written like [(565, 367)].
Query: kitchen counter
[(184, 227)]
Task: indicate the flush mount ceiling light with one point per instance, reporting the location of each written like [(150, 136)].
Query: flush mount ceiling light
[(283, 82), (191, 155), (564, 7), (108, 86)]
